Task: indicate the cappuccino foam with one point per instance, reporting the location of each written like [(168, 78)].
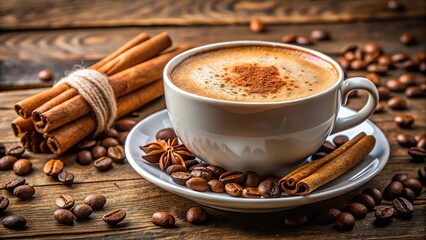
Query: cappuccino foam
[(254, 74)]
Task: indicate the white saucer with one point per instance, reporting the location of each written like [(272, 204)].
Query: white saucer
[(145, 131)]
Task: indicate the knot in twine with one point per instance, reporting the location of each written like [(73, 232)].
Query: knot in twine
[(96, 90)]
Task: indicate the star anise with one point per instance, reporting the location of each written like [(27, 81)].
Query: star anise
[(166, 153)]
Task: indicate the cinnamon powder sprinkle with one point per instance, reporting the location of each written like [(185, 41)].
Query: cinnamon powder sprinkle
[(256, 79)]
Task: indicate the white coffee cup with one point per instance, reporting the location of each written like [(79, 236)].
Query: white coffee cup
[(265, 137)]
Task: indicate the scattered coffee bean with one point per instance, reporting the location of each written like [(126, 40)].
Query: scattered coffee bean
[(251, 192), (4, 203), (66, 178), (414, 92), (404, 120), (233, 189), (196, 215), (269, 189), (345, 64), (295, 220), (125, 124), (417, 154), (422, 175), (6, 162), (421, 143), (408, 79), (96, 201), (22, 167), (122, 137), (384, 214), (400, 57), (397, 103), (64, 216), (377, 68), (404, 207), (409, 65), (358, 210), (252, 179), (289, 38), (395, 86), (408, 194), (384, 93), (374, 78), (420, 136), (374, 193), (84, 157), (365, 199), (190, 163), (65, 201), (256, 25), (53, 167), (413, 184), (406, 140), (320, 35), (399, 177), (200, 164), (327, 147), (327, 216), (349, 56), (339, 140), (16, 151), (407, 38), (385, 60), (24, 191), (166, 134), (45, 75), (14, 222), (181, 177), (393, 190), (216, 186), (87, 144), (395, 6), (232, 177), (82, 210), (109, 142), (98, 152), (197, 184), (202, 172), (14, 183), (114, 217), (175, 168), (103, 163), (345, 221), (318, 155), (357, 64), (304, 41), (116, 153), (163, 219), (217, 171), (110, 132)]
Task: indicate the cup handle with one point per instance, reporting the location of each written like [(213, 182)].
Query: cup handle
[(348, 85)]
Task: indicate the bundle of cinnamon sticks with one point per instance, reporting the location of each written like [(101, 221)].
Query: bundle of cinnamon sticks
[(59, 118)]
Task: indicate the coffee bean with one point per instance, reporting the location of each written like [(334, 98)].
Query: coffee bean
[(397, 103), (406, 140), (251, 192), (6, 162), (366, 200), (408, 39), (163, 219), (413, 184), (217, 171), (395, 6), (14, 183), (357, 64), (96, 201), (256, 25), (404, 120), (125, 124), (196, 215), (116, 153), (16, 151), (109, 142), (399, 177), (66, 178), (358, 210), (114, 217), (374, 193), (2, 150), (98, 152), (216, 186), (420, 136), (53, 167), (408, 194), (408, 79), (400, 57), (289, 38), (304, 41), (421, 144), (269, 189), (385, 60), (339, 140), (404, 207), (22, 167), (414, 92), (252, 179), (64, 216), (202, 172), (422, 175), (4, 203), (232, 177), (393, 190), (110, 132), (200, 164), (379, 108), (318, 155), (84, 157), (384, 93), (374, 78), (345, 64), (87, 144), (122, 137), (327, 147), (190, 163), (371, 47), (166, 134), (395, 86), (384, 214), (64, 201), (377, 68), (175, 168), (295, 220), (82, 210), (103, 163), (320, 35), (349, 56), (24, 191), (197, 184), (180, 177), (327, 216), (233, 189), (45, 75), (345, 221), (14, 222)]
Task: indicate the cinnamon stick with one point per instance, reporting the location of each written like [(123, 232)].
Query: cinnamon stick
[(21, 125)]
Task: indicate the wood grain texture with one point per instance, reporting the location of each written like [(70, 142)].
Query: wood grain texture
[(29, 14)]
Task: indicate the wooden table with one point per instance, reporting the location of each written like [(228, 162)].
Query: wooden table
[(59, 34)]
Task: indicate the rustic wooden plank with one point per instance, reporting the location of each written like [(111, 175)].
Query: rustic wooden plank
[(27, 14)]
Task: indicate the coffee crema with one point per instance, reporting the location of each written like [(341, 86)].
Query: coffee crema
[(254, 74)]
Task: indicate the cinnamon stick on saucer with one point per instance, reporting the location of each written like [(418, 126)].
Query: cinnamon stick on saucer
[(313, 175)]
